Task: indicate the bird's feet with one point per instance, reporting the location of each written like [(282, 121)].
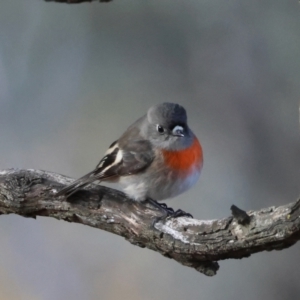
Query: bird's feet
[(168, 211), (181, 213)]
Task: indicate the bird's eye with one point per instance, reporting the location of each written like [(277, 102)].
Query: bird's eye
[(178, 131), (160, 129)]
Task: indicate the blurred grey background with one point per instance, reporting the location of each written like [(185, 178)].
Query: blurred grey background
[(73, 77)]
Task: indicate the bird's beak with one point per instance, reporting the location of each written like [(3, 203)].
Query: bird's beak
[(178, 133)]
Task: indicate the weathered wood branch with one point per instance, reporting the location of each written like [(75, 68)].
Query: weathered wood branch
[(194, 243)]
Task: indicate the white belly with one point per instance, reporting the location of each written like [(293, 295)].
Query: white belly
[(157, 187)]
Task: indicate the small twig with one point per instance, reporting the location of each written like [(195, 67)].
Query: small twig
[(240, 215), (77, 1)]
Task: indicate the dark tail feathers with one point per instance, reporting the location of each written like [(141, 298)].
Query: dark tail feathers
[(77, 184)]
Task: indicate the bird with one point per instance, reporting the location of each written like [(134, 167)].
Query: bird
[(158, 157)]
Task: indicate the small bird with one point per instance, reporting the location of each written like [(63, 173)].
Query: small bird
[(157, 157)]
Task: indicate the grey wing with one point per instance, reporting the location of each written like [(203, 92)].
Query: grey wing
[(99, 173), (137, 153), (136, 156), (118, 161)]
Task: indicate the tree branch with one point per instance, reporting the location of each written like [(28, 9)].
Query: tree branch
[(193, 243)]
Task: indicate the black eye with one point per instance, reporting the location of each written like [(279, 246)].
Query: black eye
[(160, 129)]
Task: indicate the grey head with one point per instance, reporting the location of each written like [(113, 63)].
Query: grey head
[(165, 125)]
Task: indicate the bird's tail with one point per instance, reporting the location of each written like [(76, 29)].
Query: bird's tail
[(77, 184)]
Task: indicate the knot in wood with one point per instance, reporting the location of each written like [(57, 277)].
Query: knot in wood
[(22, 182)]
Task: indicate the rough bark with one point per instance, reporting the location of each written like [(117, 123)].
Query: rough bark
[(193, 243)]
